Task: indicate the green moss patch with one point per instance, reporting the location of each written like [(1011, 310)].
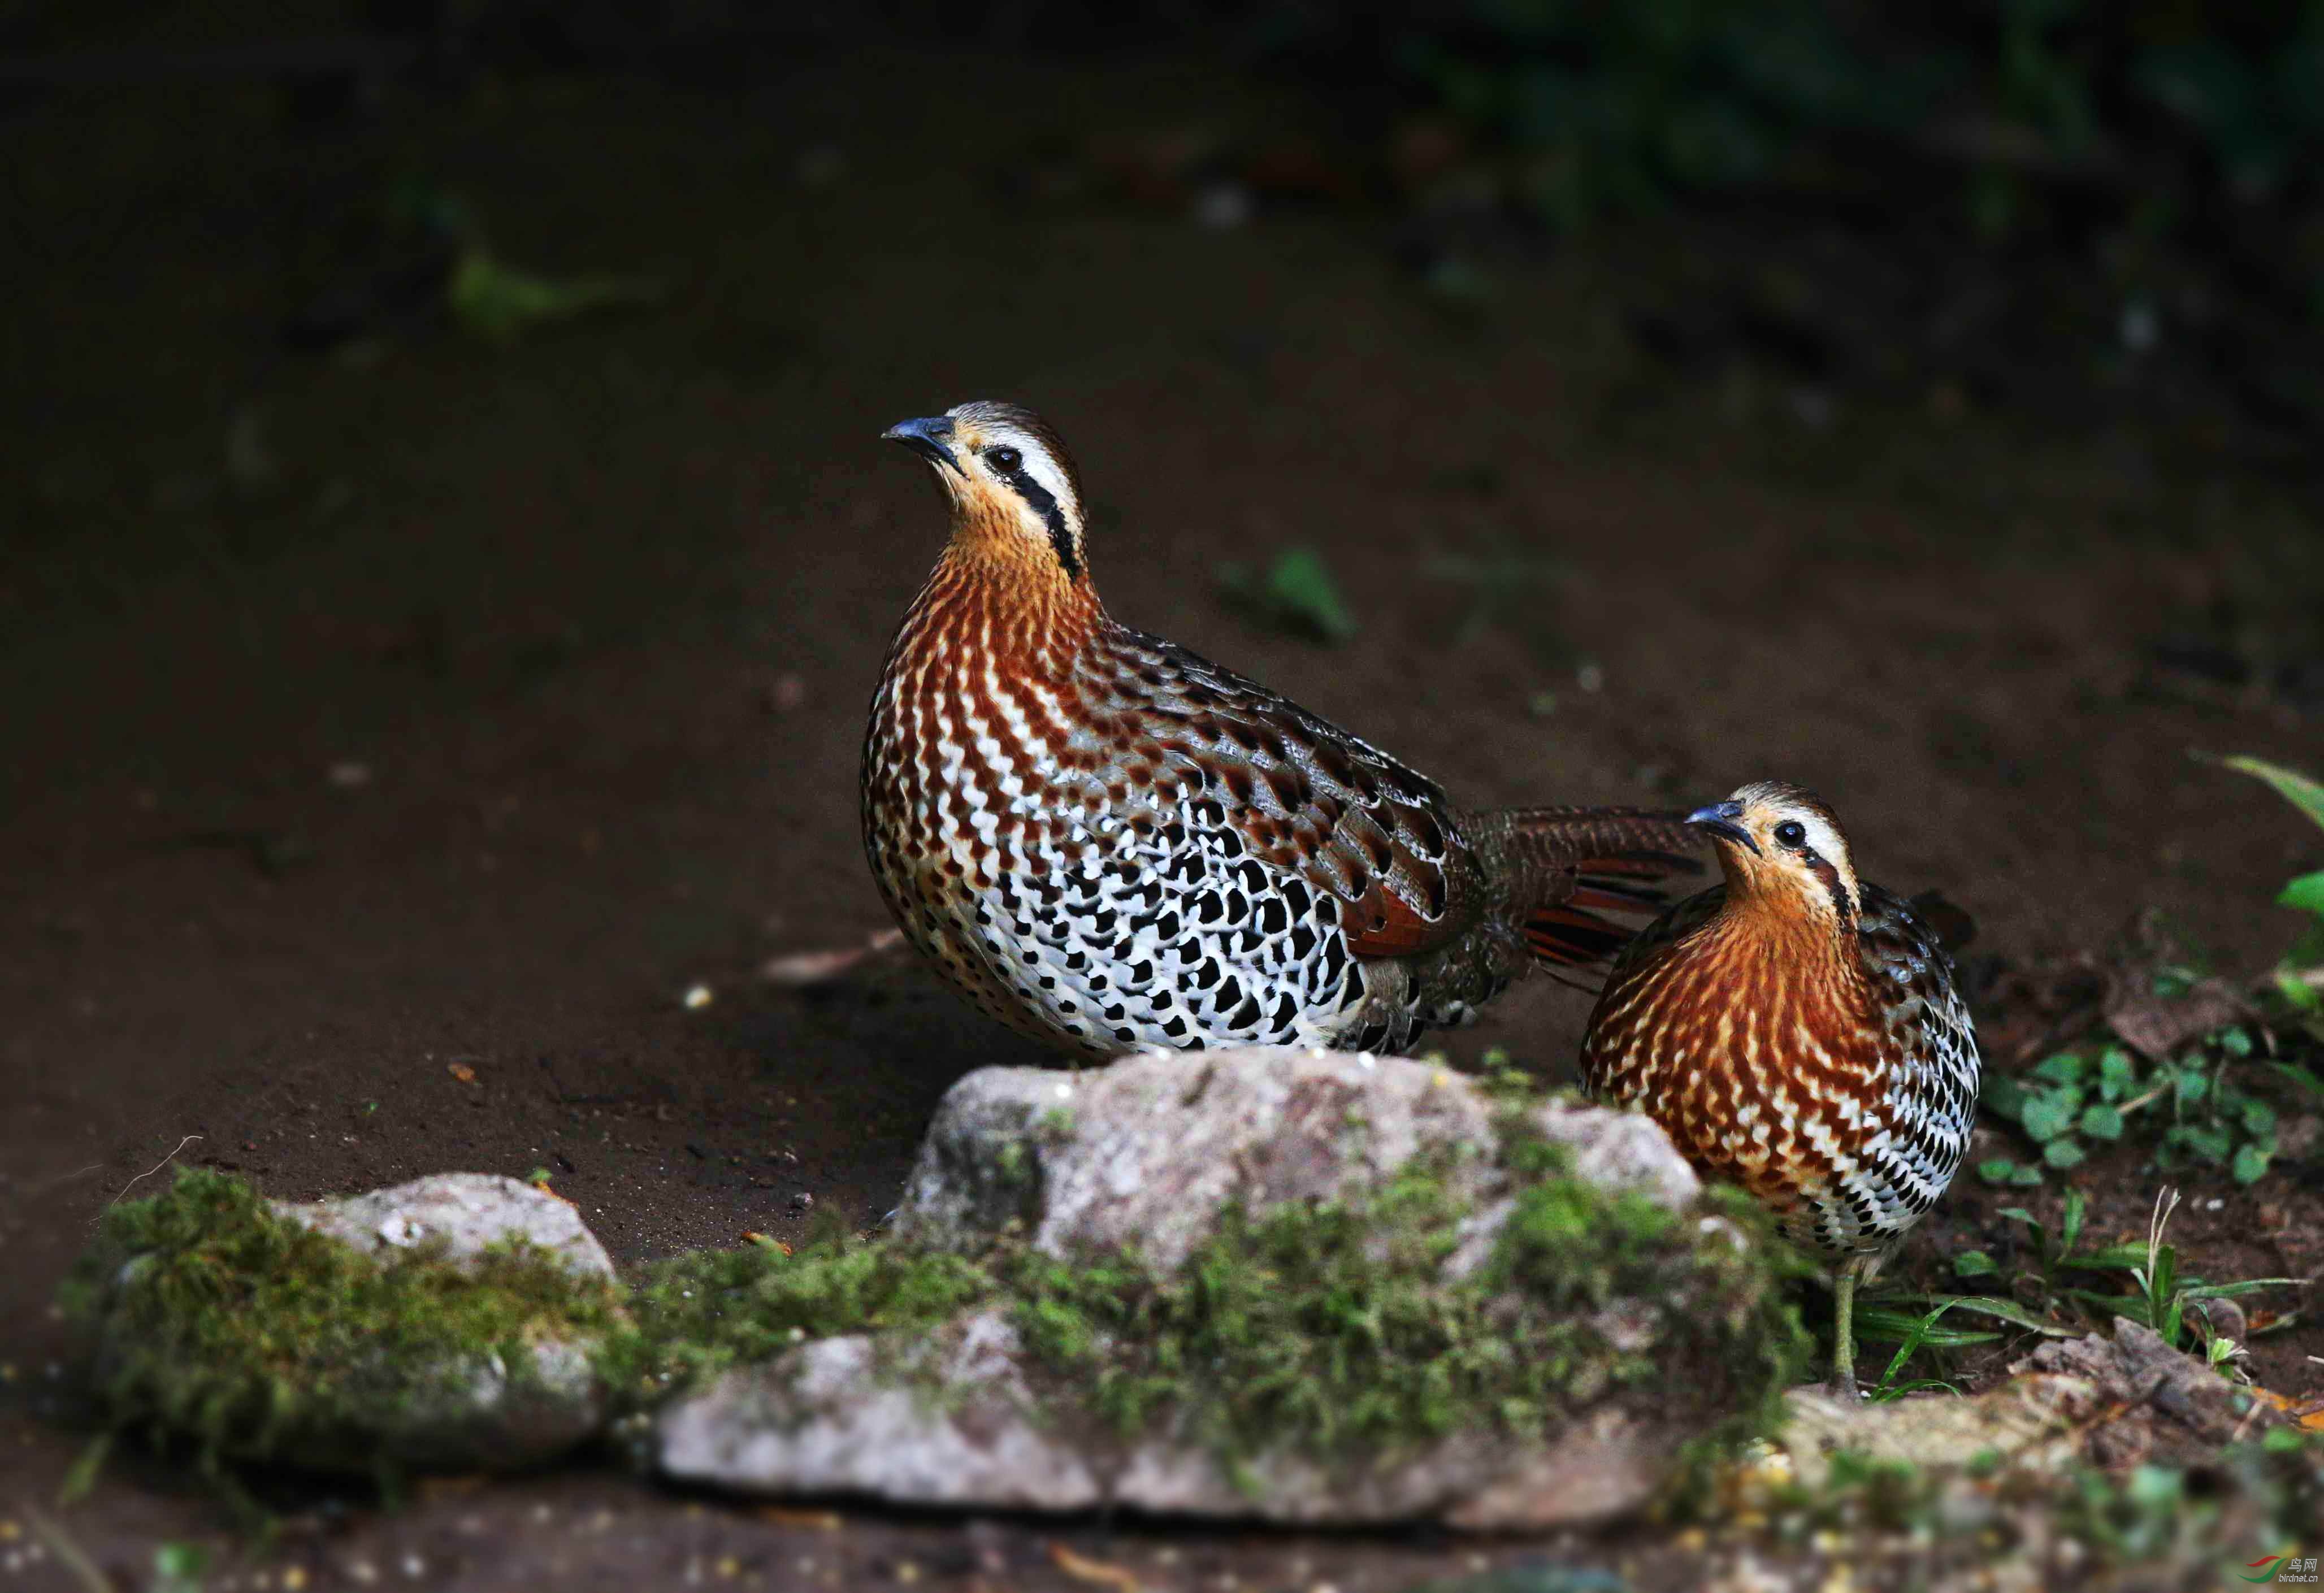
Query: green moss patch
[(1332, 1329), (217, 1319), (698, 1313)]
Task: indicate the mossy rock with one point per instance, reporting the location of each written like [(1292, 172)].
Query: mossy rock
[(1376, 1290), (1285, 1285), (213, 1314), (1151, 1151)]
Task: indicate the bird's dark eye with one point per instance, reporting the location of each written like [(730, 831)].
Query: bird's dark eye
[(1791, 833), (1004, 458)]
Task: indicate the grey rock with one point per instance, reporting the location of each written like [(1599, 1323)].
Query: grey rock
[(503, 1412), (1146, 1155), (1148, 1152), (832, 1417), (2031, 1418), (507, 1408), (468, 1212), (953, 1421)]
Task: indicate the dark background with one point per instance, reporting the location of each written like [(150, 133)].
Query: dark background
[(1918, 402)]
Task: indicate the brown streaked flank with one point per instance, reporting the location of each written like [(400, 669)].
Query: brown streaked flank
[(1108, 843), (1796, 1031)]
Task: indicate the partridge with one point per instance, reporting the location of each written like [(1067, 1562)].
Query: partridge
[(1797, 1032), (1110, 843)]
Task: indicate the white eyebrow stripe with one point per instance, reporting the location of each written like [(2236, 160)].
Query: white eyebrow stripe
[(1041, 466)]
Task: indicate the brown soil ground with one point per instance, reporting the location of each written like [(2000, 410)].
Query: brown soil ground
[(597, 617)]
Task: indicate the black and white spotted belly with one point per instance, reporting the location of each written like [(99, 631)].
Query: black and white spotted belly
[(1929, 1106), (1159, 931)]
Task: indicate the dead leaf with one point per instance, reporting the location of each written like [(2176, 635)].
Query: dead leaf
[(1082, 1569), (801, 969), (764, 1241), (821, 1521), (2307, 1413), (461, 1072), (2157, 1028)]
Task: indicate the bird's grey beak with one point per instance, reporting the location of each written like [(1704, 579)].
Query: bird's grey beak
[(930, 438), (1721, 819)]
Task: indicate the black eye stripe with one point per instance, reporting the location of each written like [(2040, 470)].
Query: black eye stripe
[(1042, 502), (1829, 877)]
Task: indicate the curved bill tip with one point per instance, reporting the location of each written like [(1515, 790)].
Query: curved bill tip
[(1723, 820), (930, 438)]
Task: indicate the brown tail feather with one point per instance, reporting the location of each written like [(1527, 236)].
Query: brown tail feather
[(1586, 861)]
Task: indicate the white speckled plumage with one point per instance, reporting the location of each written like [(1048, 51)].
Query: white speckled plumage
[(1798, 1032), (1108, 843)]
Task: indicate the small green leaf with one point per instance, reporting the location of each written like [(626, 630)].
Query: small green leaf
[(2062, 1154), (2065, 1068), (2259, 1119), (2250, 1164), (2294, 788), (2208, 1144), (1974, 1264), (2190, 1085), (2046, 1117), (501, 303), (1997, 1170), (80, 1476), (2069, 1225), (2235, 1041), (1876, 1324), (1297, 594), (2027, 1176), (2250, 1286), (2303, 996), (2305, 894), (1302, 584), (2113, 1258), (2302, 1077), (2172, 982), (178, 1568), (2102, 1122), (2004, 1098), (2007, 1310), (2117, 1075)]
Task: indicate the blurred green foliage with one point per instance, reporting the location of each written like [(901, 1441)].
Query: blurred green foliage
[(1613, 106), (2299, 977), (2152, 116), (1297, 594), (2196, 1107)]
